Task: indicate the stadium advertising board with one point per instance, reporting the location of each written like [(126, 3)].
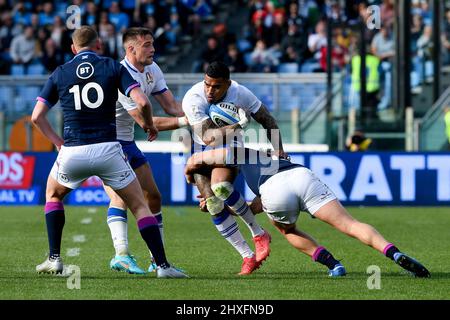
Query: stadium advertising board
[(16, 178), (372, 179)]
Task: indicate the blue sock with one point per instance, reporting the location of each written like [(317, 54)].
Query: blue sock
[(324, 257), (55, 219), (148, 227)]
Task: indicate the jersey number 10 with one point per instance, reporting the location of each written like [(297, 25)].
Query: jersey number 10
[(84, 95)]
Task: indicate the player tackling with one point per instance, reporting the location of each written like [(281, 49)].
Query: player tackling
[(284, 189)]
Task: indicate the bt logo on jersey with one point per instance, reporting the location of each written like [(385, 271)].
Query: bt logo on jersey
[(16, 170), (85, 70)]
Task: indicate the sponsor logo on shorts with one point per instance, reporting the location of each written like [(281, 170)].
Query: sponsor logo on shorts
[(325, 195), (64, 177), (124, 176)]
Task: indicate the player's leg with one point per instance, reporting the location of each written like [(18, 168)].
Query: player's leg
[(306, 244), (117, 173), (222, 186), (118, 226), (55, 220), (281, 198), (153, 197), (336, 215), (148, 228), (226, 224)]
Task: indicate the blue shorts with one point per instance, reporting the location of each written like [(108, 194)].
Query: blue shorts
[(135, 156)]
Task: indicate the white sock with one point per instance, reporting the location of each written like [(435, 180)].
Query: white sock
[(228, 228), (117, 223), (232, 198)]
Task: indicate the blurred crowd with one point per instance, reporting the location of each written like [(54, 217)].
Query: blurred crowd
[(34, 34), (276, 36)]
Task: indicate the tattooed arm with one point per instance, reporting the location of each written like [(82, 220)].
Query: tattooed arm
[(213, 135), (264, 118)]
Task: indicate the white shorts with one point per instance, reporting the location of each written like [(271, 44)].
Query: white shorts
[(287, 193), (104, 160)]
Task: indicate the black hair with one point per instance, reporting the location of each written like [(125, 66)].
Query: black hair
[(218, 69)]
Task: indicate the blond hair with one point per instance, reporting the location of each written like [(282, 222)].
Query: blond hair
[(86, 36)]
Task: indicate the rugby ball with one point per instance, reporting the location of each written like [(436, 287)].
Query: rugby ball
[(223, 114)]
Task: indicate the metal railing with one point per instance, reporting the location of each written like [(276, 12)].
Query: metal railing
[(430, 130)]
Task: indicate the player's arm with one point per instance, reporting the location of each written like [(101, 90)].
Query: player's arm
[(268, 122), (39, 119), (170, 123), (201, 161), (143, 114), (212, 135), (169, 104)]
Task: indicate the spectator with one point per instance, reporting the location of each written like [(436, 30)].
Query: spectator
[(383, 47), (387, 12), (20, 14), (23, 47), (423, 62), (52, 56), (58, 30), (119, 19), (235, 60), (263, 59), (90, 16), (296, 41), (103, 25), (173, 30), (316, 42), (274, 35), (47, 15), (211, 53), (112, 44), (224, 38), (293, 16), (290, 55), (372, 83)]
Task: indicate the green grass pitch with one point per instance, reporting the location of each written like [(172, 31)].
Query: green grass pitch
[(193, 244)]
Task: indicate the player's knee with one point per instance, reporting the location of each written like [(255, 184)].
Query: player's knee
[(153, 198), (52, 195), (222, 190), (117, 202), (214, 205), (285, 228)]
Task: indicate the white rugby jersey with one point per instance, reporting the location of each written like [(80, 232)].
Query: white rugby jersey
[(152, 83), (195, 105)]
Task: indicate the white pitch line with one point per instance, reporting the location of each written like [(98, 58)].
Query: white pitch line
[(92, 210), (86, 221), (79, 238), (73, 252)]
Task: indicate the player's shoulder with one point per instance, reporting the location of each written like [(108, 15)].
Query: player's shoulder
[(196, 90), (153, 68), (240, 88)]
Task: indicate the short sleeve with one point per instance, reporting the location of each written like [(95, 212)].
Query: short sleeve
[(160, 82), (195, 109), (126, 81), (49, 94), (247, 100), (126, 102)]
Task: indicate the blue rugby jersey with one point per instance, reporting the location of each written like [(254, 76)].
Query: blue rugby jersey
[(86, 87), (257, 166)]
